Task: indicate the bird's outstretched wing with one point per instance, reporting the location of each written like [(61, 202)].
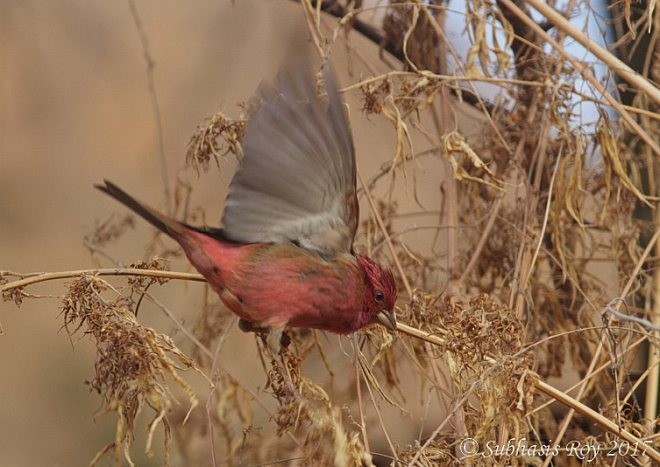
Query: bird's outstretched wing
[(296, 180)]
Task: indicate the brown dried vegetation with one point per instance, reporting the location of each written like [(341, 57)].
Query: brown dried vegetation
[(533, 210)]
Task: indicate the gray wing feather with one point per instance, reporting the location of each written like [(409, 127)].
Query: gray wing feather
[(296, 180)]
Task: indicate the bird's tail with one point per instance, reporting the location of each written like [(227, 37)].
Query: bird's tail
[(166, 224)]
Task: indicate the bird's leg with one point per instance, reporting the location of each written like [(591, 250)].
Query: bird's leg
[(285, 340), (247, 326), (273, 341), (277, 340)]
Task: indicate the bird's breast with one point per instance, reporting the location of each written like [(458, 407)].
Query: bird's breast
[(283, 285)]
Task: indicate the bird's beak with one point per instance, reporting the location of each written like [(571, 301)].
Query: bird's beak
[(387, 319)]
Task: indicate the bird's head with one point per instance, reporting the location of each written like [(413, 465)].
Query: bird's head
[(380, 294)]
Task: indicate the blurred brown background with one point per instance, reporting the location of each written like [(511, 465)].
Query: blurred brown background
[(74, 109)]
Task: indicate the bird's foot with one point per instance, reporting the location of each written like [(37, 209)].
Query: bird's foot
[(247, 326), (285, 340), (277, 340)]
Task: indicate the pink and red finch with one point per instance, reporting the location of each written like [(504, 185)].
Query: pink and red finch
[(284, 255)]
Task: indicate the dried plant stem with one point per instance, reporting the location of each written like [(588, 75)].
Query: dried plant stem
[(451, 192), (449, 79), (444, 122), (569, 416), (606, 56), (559, 396), (586, 73), (444, 46), (604, 422), (381, 225), (459, 403), (645, 323), (547, 389), (155, 106), (406, 37), (493, 80), (474, 259), (607, 364), (653, 360), (523, 258), (358, 390), (33, 278), (179, 325), (380, 419), (312, 18), (544, 225), (640, 380), (209, 399)]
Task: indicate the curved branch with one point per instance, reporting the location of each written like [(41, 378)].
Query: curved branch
[(545, 388), (48, 276), (334, 8)]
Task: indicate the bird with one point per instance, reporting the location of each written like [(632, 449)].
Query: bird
[(284, 254)]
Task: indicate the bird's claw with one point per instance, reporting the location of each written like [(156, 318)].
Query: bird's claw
[(275, 338), (247, 326)]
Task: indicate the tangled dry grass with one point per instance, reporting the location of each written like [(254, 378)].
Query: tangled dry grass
[(542, 224)]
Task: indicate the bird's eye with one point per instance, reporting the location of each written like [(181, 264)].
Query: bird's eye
[(379, 296)]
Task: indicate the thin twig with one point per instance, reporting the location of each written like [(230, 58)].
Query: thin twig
[(404, 328), (210, 355), (587, 74), (609, 308), (358, 390), (572, 403), (607, 364), (155, 106), (544, 224), (380, 418), (35, 277), (653, 359), (209, 400), (381, 225), (592, 365), (482, 242), (614, 64), (313, 26)]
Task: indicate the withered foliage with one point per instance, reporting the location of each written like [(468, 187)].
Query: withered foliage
[(15, 294), (215, 140), (483, 349), (537, 224), (305, 407), (110, 230), (134, 364)]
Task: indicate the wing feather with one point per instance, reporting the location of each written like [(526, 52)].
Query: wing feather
[(296, 180)]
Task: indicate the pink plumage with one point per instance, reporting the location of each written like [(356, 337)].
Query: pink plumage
[(284, 255)]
